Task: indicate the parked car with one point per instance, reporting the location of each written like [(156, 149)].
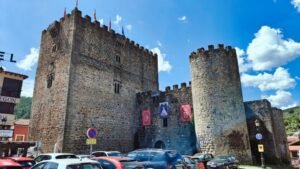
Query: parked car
[(157, 158), (68, 164), (223, 162), (201, 159), (9, 164), (118, 163), (187, 163), (25, 162), (52, 156), (106, 153)]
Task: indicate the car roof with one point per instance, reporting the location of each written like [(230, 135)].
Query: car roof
[(106, 152), (113, 157), (8, 162), (56, 154), (20, 158), (71, 161)]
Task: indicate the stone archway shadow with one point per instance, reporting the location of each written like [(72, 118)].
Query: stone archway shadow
[(160, 144)]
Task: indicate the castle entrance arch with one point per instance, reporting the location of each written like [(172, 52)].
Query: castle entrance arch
[(160, 144)]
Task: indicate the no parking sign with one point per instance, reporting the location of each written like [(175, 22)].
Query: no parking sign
[(91, 133)]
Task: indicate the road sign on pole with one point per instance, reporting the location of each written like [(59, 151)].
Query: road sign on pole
[(91, 133), (260, 148), (258, 136)]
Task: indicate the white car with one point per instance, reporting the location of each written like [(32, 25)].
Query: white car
[(53, 156), (68, 164), (106, 153)]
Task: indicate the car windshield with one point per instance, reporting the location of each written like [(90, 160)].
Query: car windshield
[(199, 155), (42, 158), (26, 163), (10, 167), (84, 166), (65, 156), (222, 158), (147, 156), (117, 154)]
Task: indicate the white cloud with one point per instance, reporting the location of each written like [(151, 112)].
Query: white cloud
[(268, 49), (159, 43), (27, 88), (281, 99), (118, 20), (163, 64), (128, 27), (280, 80), (182, 18), (296, 4), (101, 21), (30, 59), (243, 65)]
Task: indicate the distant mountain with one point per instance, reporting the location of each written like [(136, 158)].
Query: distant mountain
[(23, 108), (291, 118)]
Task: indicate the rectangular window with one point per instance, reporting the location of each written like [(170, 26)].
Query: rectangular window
[(11, 87), (7, 107), (165, 122), (117, 87), (118, 59), (19, 138)]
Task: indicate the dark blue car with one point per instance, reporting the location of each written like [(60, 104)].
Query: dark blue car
[(157, 158)]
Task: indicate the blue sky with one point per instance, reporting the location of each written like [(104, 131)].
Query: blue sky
[(265, 34)]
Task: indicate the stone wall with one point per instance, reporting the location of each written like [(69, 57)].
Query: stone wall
[(87, 63), (280, 135), (50, 95), (262, 111), (176, 135), (220, 120)]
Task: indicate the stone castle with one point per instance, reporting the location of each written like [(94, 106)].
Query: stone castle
[(90, 76)]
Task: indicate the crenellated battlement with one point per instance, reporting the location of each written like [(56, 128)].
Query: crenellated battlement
[(175, 87), (201, 52), (76, 13)]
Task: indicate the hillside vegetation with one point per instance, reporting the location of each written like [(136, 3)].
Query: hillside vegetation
[(23, 108), (291, 118)]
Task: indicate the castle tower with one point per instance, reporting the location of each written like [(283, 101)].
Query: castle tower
[(219, 115), (88, 76)]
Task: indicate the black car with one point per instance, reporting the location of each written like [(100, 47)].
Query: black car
[(157, 158), (223, 162)]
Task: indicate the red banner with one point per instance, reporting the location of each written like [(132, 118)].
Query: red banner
[(185, 113), (146, 117)]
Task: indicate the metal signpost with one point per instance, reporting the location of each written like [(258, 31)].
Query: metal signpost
[(91, 134), (259, 138)]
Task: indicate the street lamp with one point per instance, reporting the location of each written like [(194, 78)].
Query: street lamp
[(260, 146)]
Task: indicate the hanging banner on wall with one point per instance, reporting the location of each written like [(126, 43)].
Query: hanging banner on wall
[(146, 117), (185, 113), (164, 109)]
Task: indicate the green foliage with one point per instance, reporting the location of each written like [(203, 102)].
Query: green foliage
[(23, 108), (292, 120)]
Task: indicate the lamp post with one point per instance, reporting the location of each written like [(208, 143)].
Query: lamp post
[(259, 138)]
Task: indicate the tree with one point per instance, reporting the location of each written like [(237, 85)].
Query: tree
[(23, 108)]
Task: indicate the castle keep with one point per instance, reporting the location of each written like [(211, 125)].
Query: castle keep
[(90, 76)]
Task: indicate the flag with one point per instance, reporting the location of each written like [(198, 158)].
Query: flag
[(185, 113), (146, 117), (163, 109), (95, 18), (65, 13), (109, 26), (123, 31)]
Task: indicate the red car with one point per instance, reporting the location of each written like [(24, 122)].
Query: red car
[(118, 163), (25, 162), (9, 164)]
